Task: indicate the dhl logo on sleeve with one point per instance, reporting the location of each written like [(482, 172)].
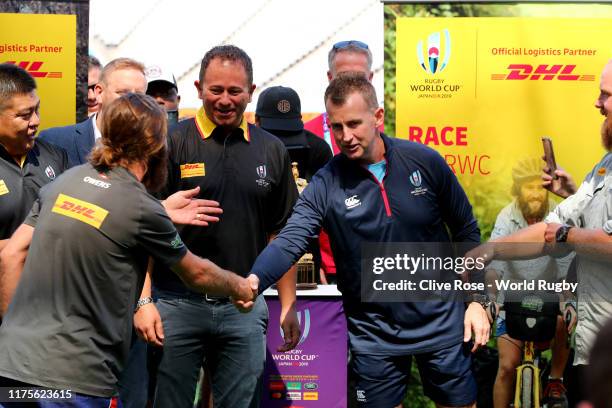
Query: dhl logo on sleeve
[(80, 210), (3, 188), (192, 170)]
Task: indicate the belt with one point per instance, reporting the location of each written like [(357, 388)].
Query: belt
[(216, 299)]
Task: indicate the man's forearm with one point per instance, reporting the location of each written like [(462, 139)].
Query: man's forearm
[(204, 276), (146, 287), (12, 259), (11, 266), (592, 243), (526, 243), (287, 288)]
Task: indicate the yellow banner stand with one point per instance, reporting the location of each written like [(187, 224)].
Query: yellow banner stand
[(45, 46), (484, 91)]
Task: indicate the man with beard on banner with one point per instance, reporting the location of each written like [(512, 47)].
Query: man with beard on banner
[(582, 223), (530, 205), (69, 320)]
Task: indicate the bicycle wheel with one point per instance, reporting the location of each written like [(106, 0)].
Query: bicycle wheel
[(527, 388)]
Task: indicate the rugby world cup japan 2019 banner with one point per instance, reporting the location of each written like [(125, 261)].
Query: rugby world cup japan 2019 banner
[(314, 374), (45, 46), (484, 91)]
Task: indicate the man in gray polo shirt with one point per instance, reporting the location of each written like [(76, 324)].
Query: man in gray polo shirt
[(87, 242)]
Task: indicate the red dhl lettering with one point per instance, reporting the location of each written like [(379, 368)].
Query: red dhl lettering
[(191, 166), (545, 72), (67, 205), (33, 68), (447, 135), (78, 209)]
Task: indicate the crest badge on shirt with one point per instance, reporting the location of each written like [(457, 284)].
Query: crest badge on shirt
[(50, 172), (262, 172), (416, 180)]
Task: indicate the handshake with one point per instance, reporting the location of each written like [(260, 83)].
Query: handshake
[(245, 292)]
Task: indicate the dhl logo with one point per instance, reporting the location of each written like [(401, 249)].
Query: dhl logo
[(33, 68), (80, 210), (192, 170), (311, 396), (561, 72)]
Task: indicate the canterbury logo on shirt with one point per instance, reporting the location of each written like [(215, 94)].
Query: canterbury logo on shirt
[(192, 170), (352, 202), (3, 188), (80, 210)]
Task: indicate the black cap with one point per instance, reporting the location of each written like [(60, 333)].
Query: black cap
[(278, 108)]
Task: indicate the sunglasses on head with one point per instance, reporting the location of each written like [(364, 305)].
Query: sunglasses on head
[(344, 44)]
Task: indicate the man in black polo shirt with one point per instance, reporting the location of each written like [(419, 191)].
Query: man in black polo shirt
[(247, 171), (87, 240), (26, 164)]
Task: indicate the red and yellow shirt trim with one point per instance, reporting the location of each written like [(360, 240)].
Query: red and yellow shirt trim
[(206, 126)]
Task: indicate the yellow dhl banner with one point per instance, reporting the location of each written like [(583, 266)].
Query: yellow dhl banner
[(45, 46), (484, 91)]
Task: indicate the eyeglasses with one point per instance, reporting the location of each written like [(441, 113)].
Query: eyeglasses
[(345, 44)]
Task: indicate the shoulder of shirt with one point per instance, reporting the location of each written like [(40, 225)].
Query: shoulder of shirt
[(258, 135), (182, 128), (507, 213), (315, 141), (403, 147), (65, 132), (50, 148)]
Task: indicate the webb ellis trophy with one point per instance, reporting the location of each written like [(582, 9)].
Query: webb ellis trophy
[(305, 266)]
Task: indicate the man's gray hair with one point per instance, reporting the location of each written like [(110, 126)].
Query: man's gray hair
[(331, 56)]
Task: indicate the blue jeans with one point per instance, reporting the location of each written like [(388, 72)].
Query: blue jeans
[(233, 344), (134, 380)]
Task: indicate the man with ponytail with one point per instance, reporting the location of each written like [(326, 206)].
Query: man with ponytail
[(75, 268)]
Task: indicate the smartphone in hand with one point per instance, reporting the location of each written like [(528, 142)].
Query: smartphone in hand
[(549, 157)]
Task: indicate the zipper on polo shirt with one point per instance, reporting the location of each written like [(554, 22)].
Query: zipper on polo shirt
[(383, 191)]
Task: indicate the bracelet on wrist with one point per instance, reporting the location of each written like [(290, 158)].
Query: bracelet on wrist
[(142, 302)]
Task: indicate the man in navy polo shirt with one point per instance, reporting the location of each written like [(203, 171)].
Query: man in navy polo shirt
[(363, 195)]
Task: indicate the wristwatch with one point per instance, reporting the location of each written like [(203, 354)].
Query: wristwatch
[(142, 302), (482, 300), (562, 233), (485, 302)]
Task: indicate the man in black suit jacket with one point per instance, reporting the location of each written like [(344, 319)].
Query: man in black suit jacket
[(118, 77)]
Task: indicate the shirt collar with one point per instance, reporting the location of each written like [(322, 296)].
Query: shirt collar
[(206, 126), (97, 133)]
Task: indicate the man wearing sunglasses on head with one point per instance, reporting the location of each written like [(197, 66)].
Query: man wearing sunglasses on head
[(344, 56)]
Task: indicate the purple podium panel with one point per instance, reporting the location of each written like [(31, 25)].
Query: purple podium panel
[(314, 374)]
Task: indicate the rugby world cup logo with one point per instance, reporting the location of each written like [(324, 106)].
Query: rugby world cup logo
[(415, 178), (261, 171), (434, 50), (304, 324)]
